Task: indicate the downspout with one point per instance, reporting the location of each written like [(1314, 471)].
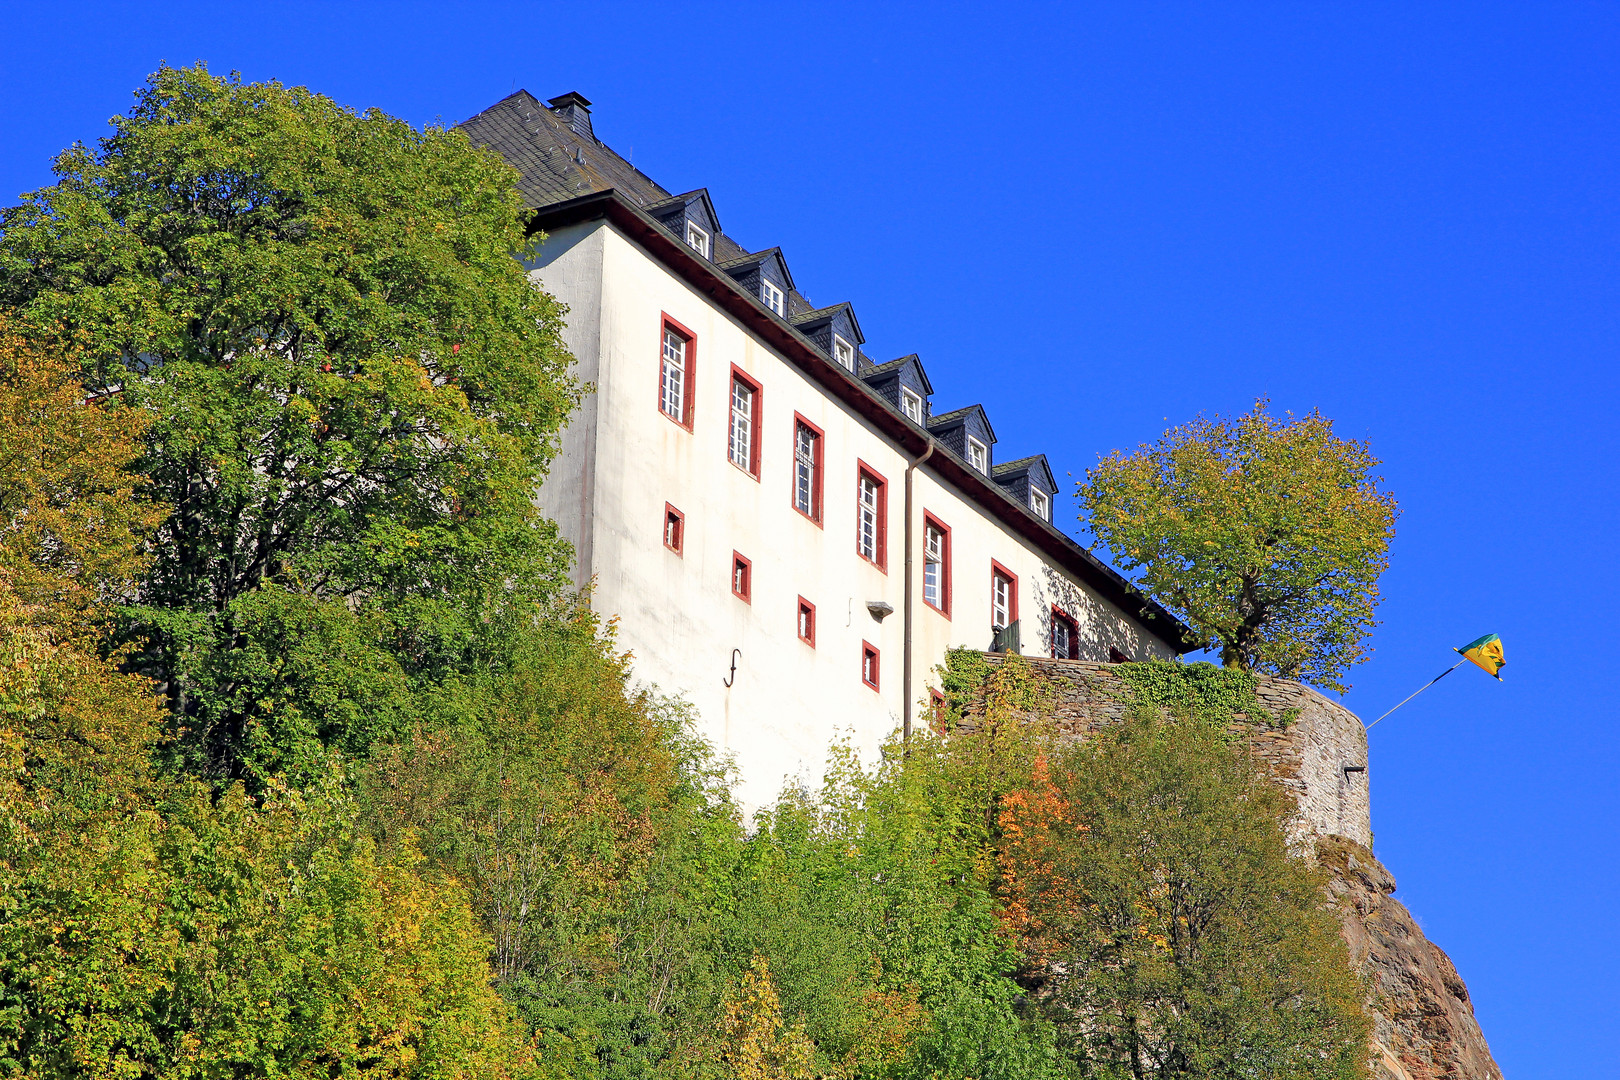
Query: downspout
[(905, 656)]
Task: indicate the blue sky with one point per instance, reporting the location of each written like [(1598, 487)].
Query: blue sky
[(1101, 219)]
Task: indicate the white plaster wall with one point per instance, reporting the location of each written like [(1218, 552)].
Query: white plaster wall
[(623, 460)]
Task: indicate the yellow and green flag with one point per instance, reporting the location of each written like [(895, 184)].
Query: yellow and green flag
[(1487, 653)]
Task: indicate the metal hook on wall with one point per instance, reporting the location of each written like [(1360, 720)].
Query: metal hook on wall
[(733, 677)]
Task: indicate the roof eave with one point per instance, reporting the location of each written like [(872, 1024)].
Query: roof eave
[(799, 351)]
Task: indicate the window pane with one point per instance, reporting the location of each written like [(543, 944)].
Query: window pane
[(804, 470), (868, 518), (742, 424), (672, 397)]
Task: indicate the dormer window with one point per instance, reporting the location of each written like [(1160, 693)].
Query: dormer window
[(697, 239), (911, 404), (1039, 503), (977, 455), (844, 353), (772, 296)]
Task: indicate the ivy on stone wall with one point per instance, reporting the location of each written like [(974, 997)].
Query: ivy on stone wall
[(1202, 691), (1004, 685)]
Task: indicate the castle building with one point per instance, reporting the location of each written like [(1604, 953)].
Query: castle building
[(789, 533)]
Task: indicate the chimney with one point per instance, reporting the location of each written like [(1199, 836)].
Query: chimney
[(574, 110)]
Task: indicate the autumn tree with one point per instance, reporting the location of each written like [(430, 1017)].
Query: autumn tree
[(352, 387), (74, 517), (1266, 536), (1166, 928)]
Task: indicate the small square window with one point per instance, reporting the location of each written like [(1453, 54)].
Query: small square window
[(674, 529), (772, 296), (1039, 503), (697, 239), (844, 353), (911, 404), (978, 456), (870, 661), (742, 578), (939, 711), (807, 622)]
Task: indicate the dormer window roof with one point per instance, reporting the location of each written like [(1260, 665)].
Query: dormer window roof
[(765, 274), (1029, 481), (834, 331), (690, 217), (967, 434), (905, 384)]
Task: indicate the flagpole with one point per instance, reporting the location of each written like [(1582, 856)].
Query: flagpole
[(1422, 688)]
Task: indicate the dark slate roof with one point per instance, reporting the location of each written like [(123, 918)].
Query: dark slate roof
[(809, 318), (758, 257), (955, 416), (686, 199), (557, 163), (895, 365), (1033, 463)]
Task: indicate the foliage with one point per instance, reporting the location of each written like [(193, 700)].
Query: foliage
[(757, 1044), (1167, 929), (72, 522), (353, 391), (1202, 691), (1267, 536)]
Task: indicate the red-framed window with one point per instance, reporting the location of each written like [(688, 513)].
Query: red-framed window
[(677, 371), (743, 421), (871, 515), (809, 459), (807, 622), (1065, 635), (937, 710), (674, 530), (1003, 597), (936, 577), (742, 578), (871, 665)]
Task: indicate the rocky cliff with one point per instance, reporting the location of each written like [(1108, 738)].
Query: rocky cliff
[(1424, 1026)]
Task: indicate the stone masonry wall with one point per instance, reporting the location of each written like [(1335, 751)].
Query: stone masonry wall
[(1310, 756)]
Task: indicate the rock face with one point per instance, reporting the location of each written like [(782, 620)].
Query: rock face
[(1424, 1026)]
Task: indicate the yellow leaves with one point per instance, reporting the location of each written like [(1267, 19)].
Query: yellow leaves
[(756, 1043)]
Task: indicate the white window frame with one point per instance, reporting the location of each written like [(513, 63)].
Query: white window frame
[(843, 354), (672, 399), (773, 297), (870, 501), (804, 468), (978, 455), (697, 239), (934, 565), (1001, 587), (1041, 503), (741, 442), (911, 403)]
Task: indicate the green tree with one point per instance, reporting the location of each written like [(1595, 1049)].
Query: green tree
[(354, 390), (1267, 536), (158, 927), (1167, 929)]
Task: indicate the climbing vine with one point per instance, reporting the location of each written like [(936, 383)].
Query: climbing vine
[(1006, 685), (1202, 691)]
